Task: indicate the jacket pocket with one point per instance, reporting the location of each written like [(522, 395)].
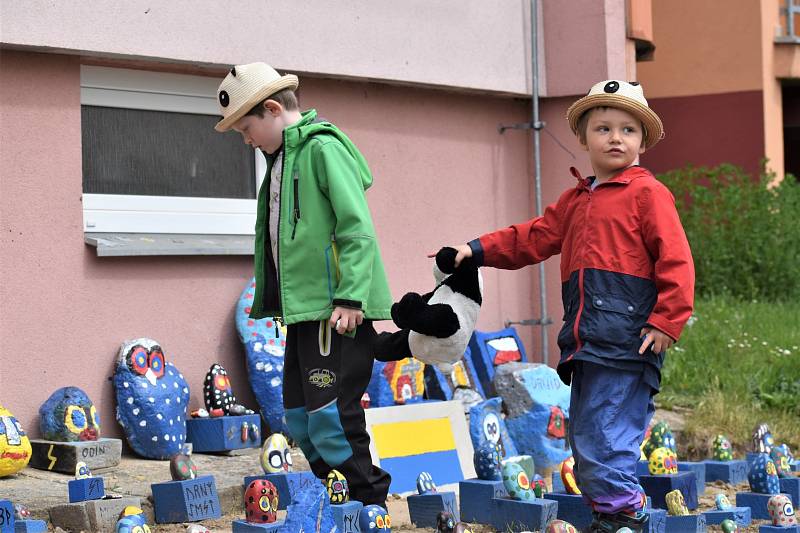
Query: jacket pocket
[(612, 320)]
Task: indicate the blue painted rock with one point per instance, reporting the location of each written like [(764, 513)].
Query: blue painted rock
[(264, 342), (486, 424), (425, 483), (15, 447), (487, 462), (152, 397), (722, 449), (763, 477), (516, 482), (397, 382), (276, 456), (337, 487), (69, 415), (781, 511), (374, 519), (261, 502), (762, 439), (538, 407), (310, 511), (781, 460)]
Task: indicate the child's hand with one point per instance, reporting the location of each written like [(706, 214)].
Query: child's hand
[(655, 339), (346, 319), (462, 251)]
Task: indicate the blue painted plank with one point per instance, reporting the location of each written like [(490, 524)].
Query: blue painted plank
[(90, 488), (733, 472), (699, 469), (516, 516), (221, 434), (242, 526), (778, 529), (346, 516), (475, 499), (693, 523), (572, 509), (185, 501), (756, 502), (791, 486), (657, 488), (30, 526), (443, 466), (423, 508), (6, 516), (657, 522), (741, 515)]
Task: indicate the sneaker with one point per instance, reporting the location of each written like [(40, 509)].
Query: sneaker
[(611, 523)]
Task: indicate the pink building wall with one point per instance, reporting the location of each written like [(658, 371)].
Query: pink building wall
[(443, 175)]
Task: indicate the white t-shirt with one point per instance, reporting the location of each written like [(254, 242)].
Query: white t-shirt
[(275, 204)]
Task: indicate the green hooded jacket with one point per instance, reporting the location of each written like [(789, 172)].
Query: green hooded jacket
[(328, 254)]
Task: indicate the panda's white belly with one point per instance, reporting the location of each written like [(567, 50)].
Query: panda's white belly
[(450, 349)]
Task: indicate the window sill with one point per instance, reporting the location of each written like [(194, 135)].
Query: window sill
[(140, 244)]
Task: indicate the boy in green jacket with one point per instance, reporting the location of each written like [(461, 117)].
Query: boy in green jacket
[(317, 266)]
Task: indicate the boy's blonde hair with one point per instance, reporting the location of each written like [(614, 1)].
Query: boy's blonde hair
[(287, 98)]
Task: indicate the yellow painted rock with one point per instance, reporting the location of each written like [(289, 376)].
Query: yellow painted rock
[(15, 448)]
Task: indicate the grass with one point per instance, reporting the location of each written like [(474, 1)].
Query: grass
[(736, 366)]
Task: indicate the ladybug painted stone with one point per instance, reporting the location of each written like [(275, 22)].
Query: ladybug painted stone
[(261, 502)]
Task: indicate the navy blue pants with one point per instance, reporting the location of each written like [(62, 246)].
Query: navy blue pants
[(609, 412)]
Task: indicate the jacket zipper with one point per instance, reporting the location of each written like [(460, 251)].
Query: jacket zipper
[(296, 212), (278, 244), (576, 325)]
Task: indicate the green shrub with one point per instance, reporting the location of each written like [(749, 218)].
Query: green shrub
[(744, 234)]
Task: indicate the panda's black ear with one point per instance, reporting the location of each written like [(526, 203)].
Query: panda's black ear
[(445, 259)]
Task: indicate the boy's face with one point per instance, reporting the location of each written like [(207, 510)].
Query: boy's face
[(613, 140), (263, 133)]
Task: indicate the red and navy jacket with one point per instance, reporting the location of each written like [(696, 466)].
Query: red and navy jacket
[(625, 264)]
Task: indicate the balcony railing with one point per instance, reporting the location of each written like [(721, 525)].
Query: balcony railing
[(790, 22)]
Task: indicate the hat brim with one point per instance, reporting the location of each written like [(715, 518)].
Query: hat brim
[(289, 81), (653, 128)]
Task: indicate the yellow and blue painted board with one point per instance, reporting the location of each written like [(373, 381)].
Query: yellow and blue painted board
[(430, 437)]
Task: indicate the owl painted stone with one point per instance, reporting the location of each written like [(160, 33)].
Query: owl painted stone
[(663, 461), (15, 448), (728, 526), (676, 504), (132, 520), (781, 460), (781, 511), (762, 439), (568, 476), (425, 483), (261, 502), (487, 462), (338, 490), (486, 424), (374, 519), (560, 526), (516, 482), (722, 449), (763, 476), (722, 502), (445, 523), (152, 397), (69, 415), (217, 390), (276, 455), (181, 466), (82, 471)]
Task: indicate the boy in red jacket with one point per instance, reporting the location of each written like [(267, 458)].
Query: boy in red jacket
[(627, 287)]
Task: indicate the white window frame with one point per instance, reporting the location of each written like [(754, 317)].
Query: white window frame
[(157, 91)]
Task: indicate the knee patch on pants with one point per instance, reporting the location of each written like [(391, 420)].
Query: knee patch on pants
[(297, 421), (327, 435)]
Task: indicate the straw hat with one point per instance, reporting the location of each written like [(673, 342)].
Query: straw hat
[(628, 96), (244, 87)]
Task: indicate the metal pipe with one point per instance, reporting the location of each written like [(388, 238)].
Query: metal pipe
[(537, 126)]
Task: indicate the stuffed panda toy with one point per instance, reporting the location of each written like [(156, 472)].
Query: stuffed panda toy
[(436, 327)]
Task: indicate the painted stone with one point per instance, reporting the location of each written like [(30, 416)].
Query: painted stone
[(69, 415), (781, 460), (722, 502), (82, 471), (261, 502), (487, 462), (781, 511), (538, 410), (152, 398), (568, 476), (396, 382), (676, 504), (217, 390), (762, 439), (310, 511), (425, 483), (265, 372), (560, 526), (663, 461), (276, 456), (461, 527), (338, 490), (763, 476), (538, 485), (722, 449), (728, 526), (132, 520), (516, 482), (374, 519), (21, 512), (15, 448), (486, 424), (445, 523), (181, 466), (660, 437)]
